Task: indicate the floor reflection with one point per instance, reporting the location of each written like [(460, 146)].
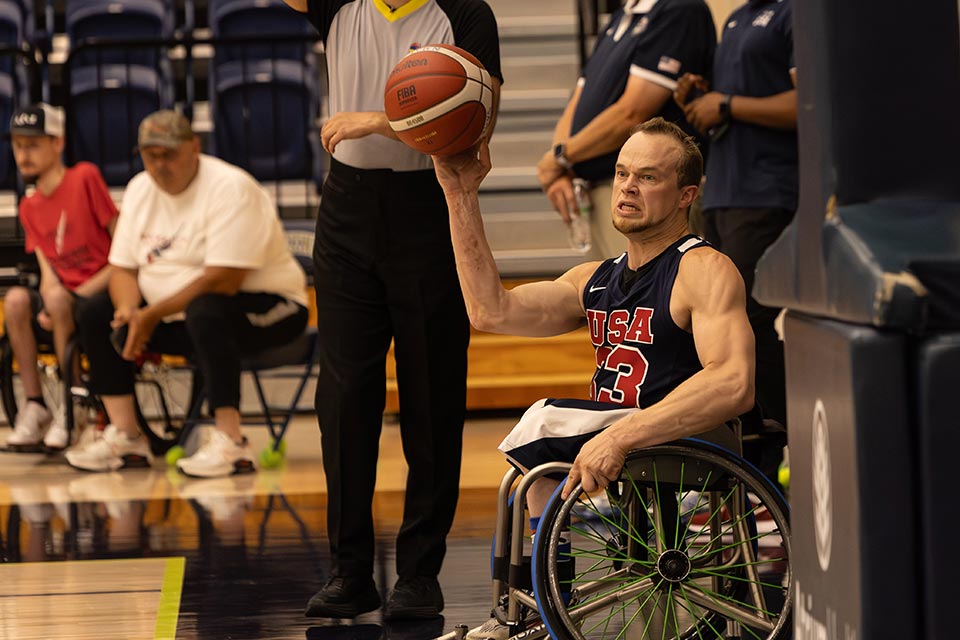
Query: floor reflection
[(253, 558)]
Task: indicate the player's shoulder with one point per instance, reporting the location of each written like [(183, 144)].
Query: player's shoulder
[(702, 265)]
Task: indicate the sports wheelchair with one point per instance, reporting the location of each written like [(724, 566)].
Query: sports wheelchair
[(691, 541)]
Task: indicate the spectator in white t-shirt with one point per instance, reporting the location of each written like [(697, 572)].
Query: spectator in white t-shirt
[(201, 268)]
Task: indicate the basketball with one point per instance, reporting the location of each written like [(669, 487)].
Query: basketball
[(439, 100)]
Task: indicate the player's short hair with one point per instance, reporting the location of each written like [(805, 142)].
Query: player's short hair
[(690, 165)]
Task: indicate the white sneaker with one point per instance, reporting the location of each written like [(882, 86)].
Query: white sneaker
[(218, 456), (28, 428), (112, 451), (489, 630), (57, 438)]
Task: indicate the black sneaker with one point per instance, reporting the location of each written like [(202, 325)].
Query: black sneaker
[(344, 597), (414, 598)]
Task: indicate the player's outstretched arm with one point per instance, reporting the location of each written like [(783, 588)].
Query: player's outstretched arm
[(535, 309), (709, 299)]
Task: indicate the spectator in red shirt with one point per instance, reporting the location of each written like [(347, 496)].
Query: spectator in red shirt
[(68, 222)]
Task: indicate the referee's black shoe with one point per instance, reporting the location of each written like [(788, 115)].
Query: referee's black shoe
[(414, 598), (344, 597)]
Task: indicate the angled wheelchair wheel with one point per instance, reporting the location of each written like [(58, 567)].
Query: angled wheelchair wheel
[(165, 390), (690, 542), (11, 394)]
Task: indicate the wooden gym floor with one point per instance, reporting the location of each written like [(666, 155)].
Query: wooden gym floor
[(153, 554)]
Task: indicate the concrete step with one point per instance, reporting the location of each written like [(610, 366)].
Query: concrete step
[(507, 9), (519, 148), (541, 71)]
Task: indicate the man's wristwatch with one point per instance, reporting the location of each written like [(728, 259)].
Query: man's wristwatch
[(725, 108), (560, 156)]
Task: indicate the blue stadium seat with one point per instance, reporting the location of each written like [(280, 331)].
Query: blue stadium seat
[(23, 12), (16, 30), (263, 116), (258, 18), (105, 110), (11, 23), (119, 19)]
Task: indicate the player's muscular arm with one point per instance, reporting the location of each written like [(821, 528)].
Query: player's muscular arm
[(709, 298), (537, 309)]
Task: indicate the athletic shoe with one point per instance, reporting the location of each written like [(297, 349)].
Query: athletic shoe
[(490, 630), (414, 598), (113, 450), (57, 438), (218, 456), (28, 428), (344, 597)]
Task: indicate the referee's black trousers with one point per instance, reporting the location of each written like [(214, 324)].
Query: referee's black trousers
[(385, 270)]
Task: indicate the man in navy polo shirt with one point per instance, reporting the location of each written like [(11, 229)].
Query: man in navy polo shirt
[(752, 177), (645, 48)]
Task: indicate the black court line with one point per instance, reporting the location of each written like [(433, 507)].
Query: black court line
[(77, 593)]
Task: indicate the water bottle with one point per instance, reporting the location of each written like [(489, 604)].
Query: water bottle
[(579, 225)]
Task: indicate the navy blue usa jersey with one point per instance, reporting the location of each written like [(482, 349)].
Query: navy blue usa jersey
[(642, 355)]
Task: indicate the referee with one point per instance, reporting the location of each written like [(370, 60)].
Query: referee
[(385, 270)]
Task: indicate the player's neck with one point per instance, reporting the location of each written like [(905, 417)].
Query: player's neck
[(48, 182), (648, 244)]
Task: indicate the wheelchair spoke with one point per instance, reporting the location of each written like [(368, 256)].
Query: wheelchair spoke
[(689, 608), (729, 608)]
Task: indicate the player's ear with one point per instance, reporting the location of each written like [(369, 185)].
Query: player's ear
[(688, 195)]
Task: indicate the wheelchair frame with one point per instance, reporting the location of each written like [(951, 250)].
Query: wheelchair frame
[(718, 558)]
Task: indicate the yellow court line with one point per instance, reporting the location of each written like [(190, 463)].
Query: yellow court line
[(169, 610)]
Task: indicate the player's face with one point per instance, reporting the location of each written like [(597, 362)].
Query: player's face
[(35, 155), (646, 195), (172, 169)]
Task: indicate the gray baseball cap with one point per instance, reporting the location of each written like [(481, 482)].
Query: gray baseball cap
[(37, 120), (164, 128)]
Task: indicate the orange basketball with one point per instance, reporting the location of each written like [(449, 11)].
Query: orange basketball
[(439, 99)]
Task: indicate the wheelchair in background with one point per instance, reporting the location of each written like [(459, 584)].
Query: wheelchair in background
[(691, 541)]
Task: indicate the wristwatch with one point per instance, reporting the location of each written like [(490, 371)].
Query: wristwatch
[(725, 108), (560, 156)]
